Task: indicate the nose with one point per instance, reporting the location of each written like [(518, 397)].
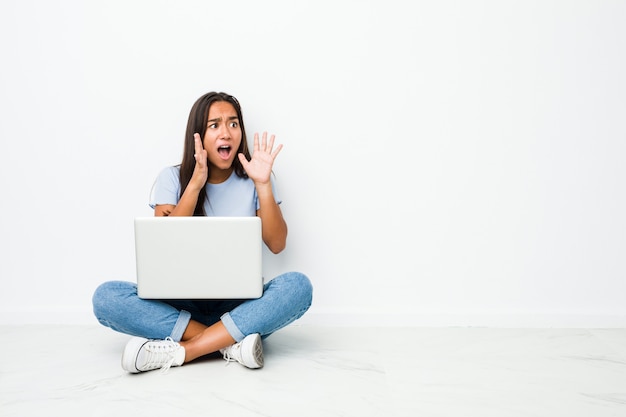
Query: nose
[(224, 131)]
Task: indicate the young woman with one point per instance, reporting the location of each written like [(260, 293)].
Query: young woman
[(217, 177)]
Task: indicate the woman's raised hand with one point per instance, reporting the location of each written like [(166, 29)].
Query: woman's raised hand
[(201, 171), (259, 168)]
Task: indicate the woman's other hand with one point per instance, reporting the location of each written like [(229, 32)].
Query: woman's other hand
[(259, 168)]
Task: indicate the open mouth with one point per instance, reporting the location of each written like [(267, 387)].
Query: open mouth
[(224, 151)]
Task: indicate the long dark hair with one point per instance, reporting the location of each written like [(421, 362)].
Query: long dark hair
[(197, 123)]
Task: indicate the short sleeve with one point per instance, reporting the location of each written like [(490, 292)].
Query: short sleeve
[(166, 187)]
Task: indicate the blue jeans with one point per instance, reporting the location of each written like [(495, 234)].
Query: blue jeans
[(285, 299)]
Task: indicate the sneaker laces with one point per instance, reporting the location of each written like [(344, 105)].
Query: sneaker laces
[(228, 357), (160, 354)]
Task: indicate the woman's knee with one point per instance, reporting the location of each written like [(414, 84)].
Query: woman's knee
[(107, 296), (298, 286)]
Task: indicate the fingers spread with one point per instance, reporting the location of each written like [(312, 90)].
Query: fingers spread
[(278, 148), (265, 144), (270, 145), (243, 160)]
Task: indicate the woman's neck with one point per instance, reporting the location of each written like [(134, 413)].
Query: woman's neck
[(218, 176)]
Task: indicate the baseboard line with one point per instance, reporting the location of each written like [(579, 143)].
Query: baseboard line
[(77, 316)]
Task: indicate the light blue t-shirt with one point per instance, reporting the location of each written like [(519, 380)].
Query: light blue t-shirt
[(234, 197)]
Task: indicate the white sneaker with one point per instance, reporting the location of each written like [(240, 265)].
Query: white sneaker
[(143, 354), (248, 352)]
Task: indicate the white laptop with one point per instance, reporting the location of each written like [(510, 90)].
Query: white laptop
[(198, 257)]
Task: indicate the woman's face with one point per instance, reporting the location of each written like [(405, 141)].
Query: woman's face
[(222, 139)]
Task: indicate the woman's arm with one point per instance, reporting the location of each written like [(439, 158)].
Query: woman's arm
[(187, 203), (259, 169), (273, 223)]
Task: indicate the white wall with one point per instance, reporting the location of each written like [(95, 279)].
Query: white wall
[(445, 163)]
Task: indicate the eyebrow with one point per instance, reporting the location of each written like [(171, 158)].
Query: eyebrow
[(219, 119)]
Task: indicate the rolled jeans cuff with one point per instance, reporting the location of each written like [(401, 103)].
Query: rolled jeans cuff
[(181, 325), (232, 328)]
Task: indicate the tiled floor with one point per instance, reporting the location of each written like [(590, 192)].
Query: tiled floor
[(325, 371)]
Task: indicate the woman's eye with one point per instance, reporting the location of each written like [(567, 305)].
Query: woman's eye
[(233, 124), (212, 126)]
